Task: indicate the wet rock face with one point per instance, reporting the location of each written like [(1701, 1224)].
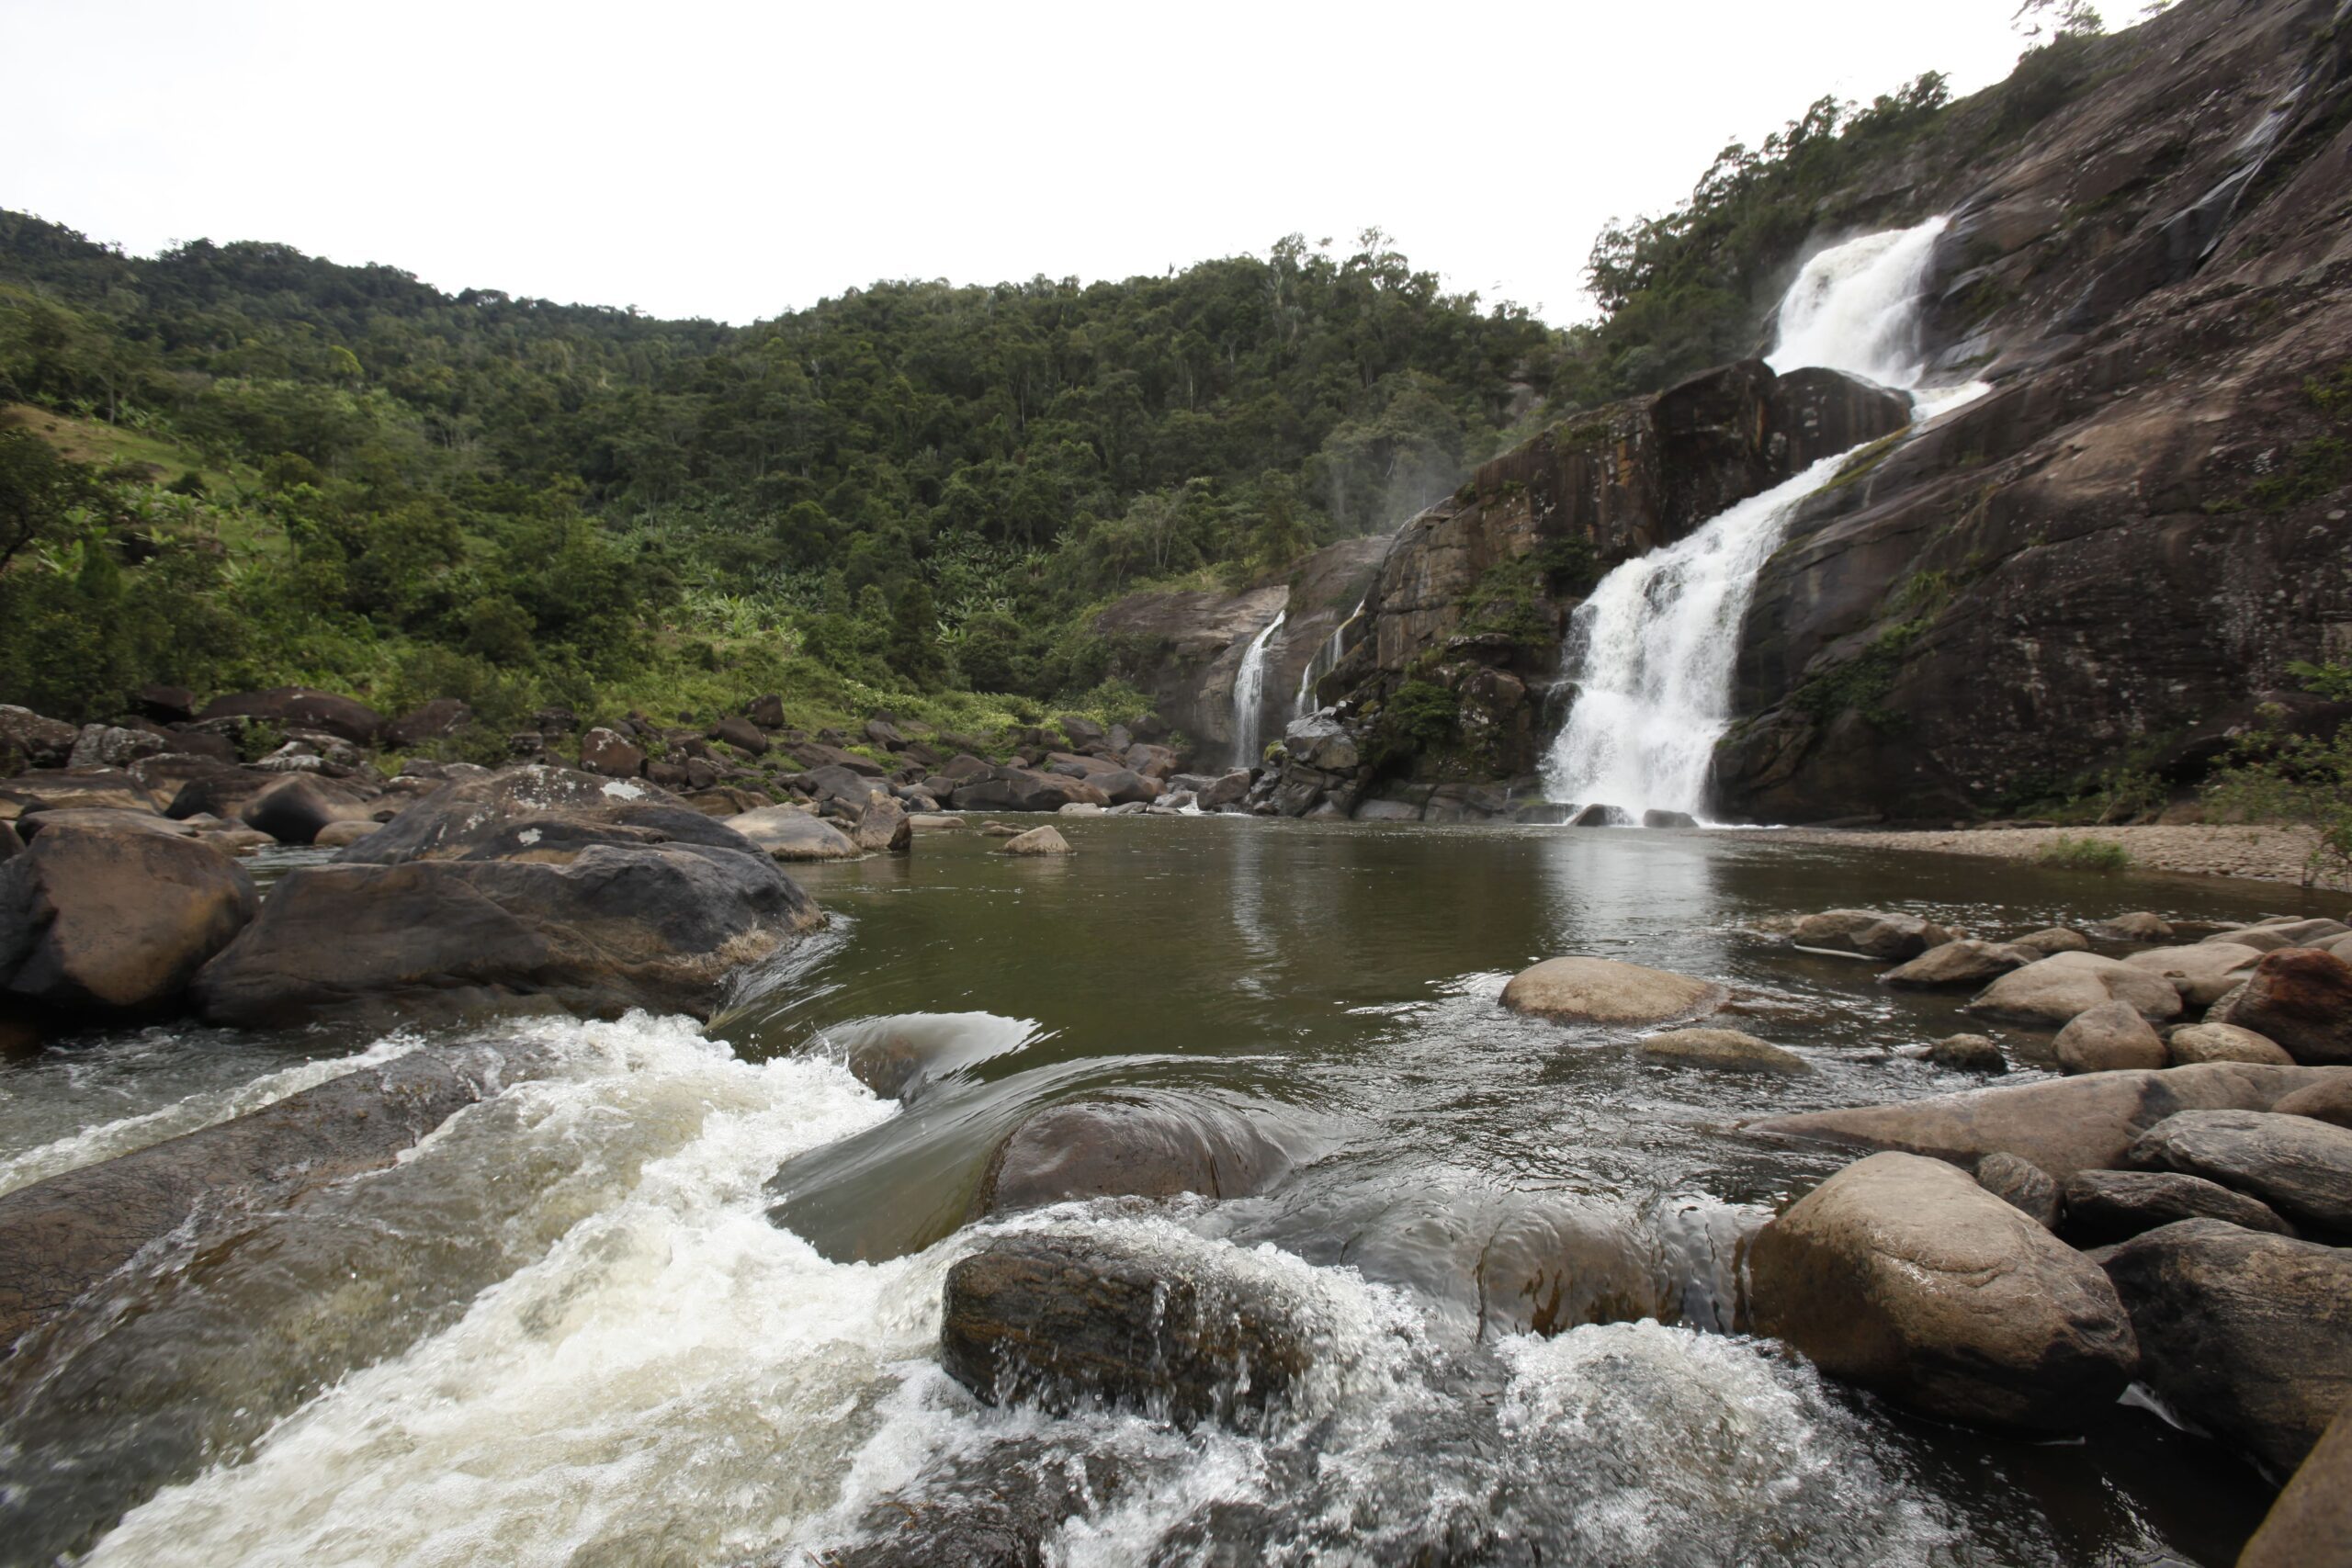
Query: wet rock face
[(1128, 1145), (2247, 1334), (104, 925), (1061, 1322), (2081, 557), (1903, 1275)]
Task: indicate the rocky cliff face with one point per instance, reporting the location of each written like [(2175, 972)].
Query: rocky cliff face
[(2110, 560)]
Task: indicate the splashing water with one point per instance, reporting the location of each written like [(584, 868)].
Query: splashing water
[(1326, 659), (1652, 650), (1250, 694)]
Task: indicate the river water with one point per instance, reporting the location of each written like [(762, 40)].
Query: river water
[(676, 1301)]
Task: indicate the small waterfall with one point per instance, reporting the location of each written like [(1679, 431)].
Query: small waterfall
[(1327, 658), (1652, 650), (1250, 695)]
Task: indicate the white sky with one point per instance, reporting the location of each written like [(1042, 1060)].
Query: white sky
[(735, 160)]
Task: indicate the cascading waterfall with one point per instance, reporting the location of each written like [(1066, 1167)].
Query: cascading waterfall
[(1327, 658), (1250, 694), (1651, 651)]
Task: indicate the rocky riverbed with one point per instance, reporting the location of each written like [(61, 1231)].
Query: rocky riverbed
[(2261, 853)]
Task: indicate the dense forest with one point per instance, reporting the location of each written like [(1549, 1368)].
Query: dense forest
[(235, 465)]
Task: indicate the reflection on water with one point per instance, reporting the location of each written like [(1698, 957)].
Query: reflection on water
[(565, 1330)]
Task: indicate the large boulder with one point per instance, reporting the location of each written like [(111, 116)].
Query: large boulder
[(2063, 1126), (296, 811), (1224, 790), (741, 734), (1869, 933), (301, 708), (1019, 789), (76, 789), (434, 721), (538, 813), (2103, 1207), (1123, 787), (2023, 1186), (609, 753), (1903, 1275), (2053, 992), (2248, 1335), (2301, 1166), (1962, 964), (2203, 973), (1036, 841), (2311, 1524), (2111, 1037), (28, 741), (2194, 1043), (2301, 997), (1064, 1322), (1129, 1145), (111, 746), (607, 929), (883, 827), (1601, 990), (787, 832), (102, 925)]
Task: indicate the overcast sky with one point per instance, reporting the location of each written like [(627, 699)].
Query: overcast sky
[(739, 159)]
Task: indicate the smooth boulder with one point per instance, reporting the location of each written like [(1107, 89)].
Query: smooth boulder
[(1903, 1275), (1036, 841), (2194, 1043), (2301, 1166), (787, 832), (1727, 1050), (2203, 973), (2052, 992), (1061, 1322), (1602, 991), (883, 827), (538, 813), (2248, 1335), (2301, 997), (1965, 961), (296, 811), (1969, 1053), (1869, 933), (301, 708), (1127, 1146), (2111, 1037), (105, 925), (2329, 1100), (2103, 1207)]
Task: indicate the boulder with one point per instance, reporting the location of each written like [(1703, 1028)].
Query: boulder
[(2061, 1126), (741, 734), (1079, 809), (1036, 841), (1085, 734), (538, 813), (1124, 788), (60, 1237), (1599, 814), (28, 741), (605, 752), (342, 835), (1869, 933), (65, 789), (2194, 1043), (1657, 819), (2310, 1526), (1019, 789), (613, 927), (1157, 762), (107, 746), (2052, 938), (2138, 925), (2283, 930), (2023, 1186), (1724, 1049), (42, 822), (1131, 1146), (1601, 990), (1968, 1054), (787, 832), (767, 712), (105, 925), (164, 704), (1903, 1275), (2203, 973), (295, 811), (884, 826), (935, 822), (1224, 790), (2104, 1207), (1963, 963), (2301, 997), (844, 786), (722, 801), (2052, 992), (2249, 1334), (2297, 1164), (2329, 1101), (1548, 1268), (211, 789), (2108, 1038), (301, 708), (1062, 1322), (436, 720)]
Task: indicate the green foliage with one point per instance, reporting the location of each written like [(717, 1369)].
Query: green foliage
[(1419, 715), (2276, 774), (2084, 854), (1861, 682), (1569, 567), (1504, 602)]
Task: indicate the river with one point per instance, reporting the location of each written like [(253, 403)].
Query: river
[(675, 1300)]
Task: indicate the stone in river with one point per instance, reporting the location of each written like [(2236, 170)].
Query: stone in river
[(1727, 1050), (103, 925), (1968, 1054), (2298, 1166), (2103, 1207), (2053, 991), (1601, 990), (2109, 1037), (2299, 998), (1869, 933), (2194, 1043), (1959, 964), (2311, 1524), (2203, 973), (1128, 1145)]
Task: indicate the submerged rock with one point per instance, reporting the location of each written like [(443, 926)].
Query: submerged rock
[(1725, 1049), (1903, 1275), (2300, 1167), (1959, 964), (1547, 1270), (2063, 1126), (787, 832), (1061, 1322), (1869, 933), (2247, 1334), (102, 925), (2104, 1207), (2053, 991), (1036, 841), (2052, 938), (1968, 1054), (1139, 1145), (2138, 925), (1601, 990)]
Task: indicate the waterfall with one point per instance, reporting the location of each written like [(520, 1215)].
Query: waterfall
[(1250, 695), (1326, 658), (1651, 653)]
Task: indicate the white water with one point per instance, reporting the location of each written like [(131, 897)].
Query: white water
[(1326, 658), (1652, 650), (1250, 695)]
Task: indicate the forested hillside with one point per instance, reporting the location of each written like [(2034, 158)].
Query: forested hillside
[(234, 465)]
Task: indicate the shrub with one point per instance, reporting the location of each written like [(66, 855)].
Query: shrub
[(2084, 854)]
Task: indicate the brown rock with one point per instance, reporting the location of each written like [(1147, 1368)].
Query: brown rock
[(2103, 1207), (2299, 1165), (1727, 1050), (1965, 962), (741, 734), (1903, 1275), (787, 832), (604, 751), (1036, 841), (1968, 1054), (2203, 973), (1601, 990), (884, 826), (2302, 999), (2053, 992), (2311, 1524), (106, 924), (301, 708), (2107, 1038), (2052, 940), (2194, 1043), (1869, 933), (2329, 1101), (2023, 1186), (1137, 1145)]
